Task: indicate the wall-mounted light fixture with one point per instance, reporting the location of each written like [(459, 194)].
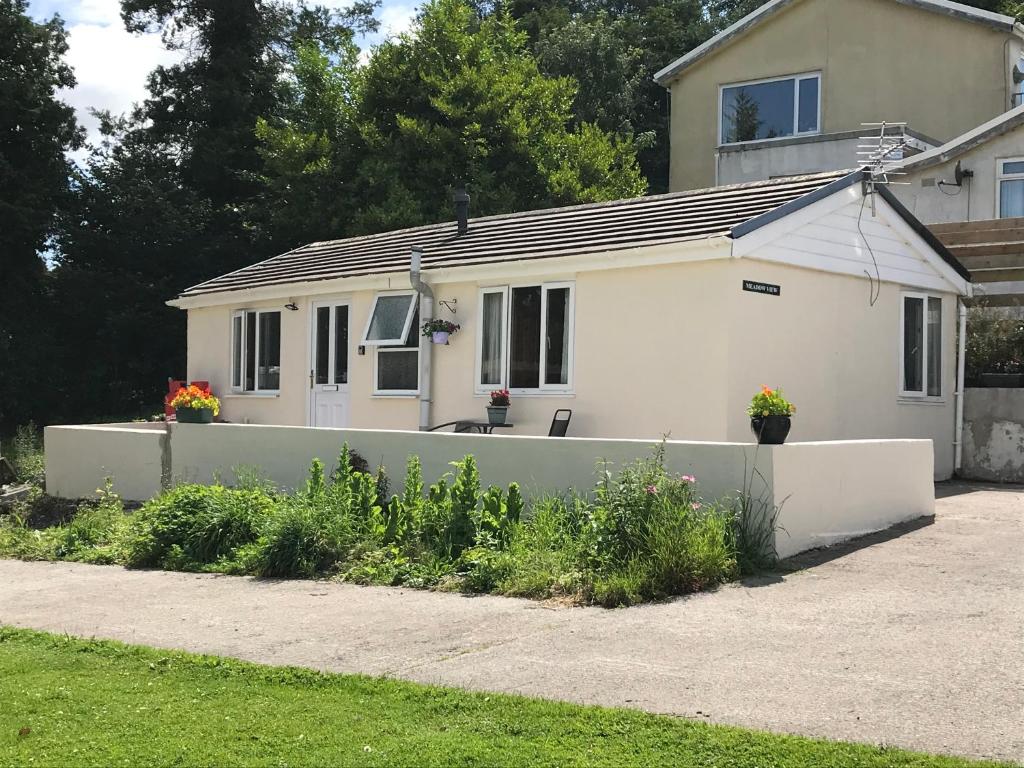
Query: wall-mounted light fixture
[(292, 306)]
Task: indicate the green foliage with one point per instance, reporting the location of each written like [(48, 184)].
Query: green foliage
[(192, 526), (26, 455), (37, 129), (770, 402), (642, 534), (995, 341), (461, 99)]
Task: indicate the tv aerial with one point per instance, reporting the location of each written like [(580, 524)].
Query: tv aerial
[(881, 154)]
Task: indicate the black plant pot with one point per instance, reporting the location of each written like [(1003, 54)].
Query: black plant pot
[(770, 430)]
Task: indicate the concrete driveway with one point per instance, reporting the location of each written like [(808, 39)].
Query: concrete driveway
[(914, 638)]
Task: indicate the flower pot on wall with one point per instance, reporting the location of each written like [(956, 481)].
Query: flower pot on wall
[(439, 337), (770, 430), (496, 414), (194, 415)]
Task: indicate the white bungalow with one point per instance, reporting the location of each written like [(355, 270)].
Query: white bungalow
[(645, 317)]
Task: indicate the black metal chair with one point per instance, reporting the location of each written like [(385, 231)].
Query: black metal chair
[(560, 424)]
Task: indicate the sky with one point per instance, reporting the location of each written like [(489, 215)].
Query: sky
[(111, 65)]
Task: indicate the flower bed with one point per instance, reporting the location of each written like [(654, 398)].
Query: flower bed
[(641, 534)]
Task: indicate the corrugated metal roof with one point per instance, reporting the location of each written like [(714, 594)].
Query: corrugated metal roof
[(581, 229)]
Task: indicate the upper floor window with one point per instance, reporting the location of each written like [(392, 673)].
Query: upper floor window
[(256, 351), (771, 109), (525, 341), (1011, 188)]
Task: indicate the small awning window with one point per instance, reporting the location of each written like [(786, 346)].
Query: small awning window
[(390, 318)]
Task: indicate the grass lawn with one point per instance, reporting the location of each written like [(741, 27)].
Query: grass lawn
[(70, 702)]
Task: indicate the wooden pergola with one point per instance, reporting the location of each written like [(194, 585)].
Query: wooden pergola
[(993, 252)]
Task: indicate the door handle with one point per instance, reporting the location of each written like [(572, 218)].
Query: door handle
[(310, 378)]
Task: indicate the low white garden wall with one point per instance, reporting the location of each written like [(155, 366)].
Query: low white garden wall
[(828, 491)]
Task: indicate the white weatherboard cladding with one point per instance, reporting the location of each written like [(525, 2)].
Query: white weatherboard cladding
[(841, 234)]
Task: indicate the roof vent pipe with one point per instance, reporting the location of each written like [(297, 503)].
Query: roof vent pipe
[(461, 199), (426, 299)]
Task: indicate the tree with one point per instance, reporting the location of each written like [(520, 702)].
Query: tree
[(36, 130), (461, 99), (311, 153), (607, 70)]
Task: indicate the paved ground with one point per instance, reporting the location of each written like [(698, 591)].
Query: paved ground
[(915, 641)]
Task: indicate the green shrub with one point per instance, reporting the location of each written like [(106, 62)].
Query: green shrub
[(93, 534), (642, 534), (26, 455), (301, 538), (193, 525)]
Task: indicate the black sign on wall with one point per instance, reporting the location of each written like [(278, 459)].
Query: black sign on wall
[(766, 288)]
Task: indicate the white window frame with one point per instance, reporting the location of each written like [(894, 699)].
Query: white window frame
[(506, 294), (506, 291), (797, 79), (921, 395), (391, 347), (1001, 177), (405, 327), (239, 388)]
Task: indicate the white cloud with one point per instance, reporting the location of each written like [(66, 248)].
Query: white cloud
[(396, 19), (111, 66)]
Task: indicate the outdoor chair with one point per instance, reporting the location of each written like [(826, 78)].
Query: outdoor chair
[(560, 423)]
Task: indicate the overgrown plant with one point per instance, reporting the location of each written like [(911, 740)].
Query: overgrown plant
[(642, 533)]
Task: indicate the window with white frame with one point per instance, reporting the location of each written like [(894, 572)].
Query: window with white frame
[(1011, 188), (256, 351), (770, 109), (525, 338), (921, 345), (393, 329)]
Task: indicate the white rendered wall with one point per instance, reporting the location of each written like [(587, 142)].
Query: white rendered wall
[(829, 492)]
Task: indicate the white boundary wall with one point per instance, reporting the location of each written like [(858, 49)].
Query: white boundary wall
[(829, 491)]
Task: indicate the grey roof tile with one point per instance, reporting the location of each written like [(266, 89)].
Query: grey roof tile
[(575, 230)]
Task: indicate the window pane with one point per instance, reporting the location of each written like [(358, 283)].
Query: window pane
[(934, 346), (808, 120), (556, 367), (323, 343), (1013, 166), (1011, 199), (389, 316), (236, 351), (913, 341), (250, 351), (270, 350), (493, 320), (524, 356), (341, 344), (762, 111), (397, 369), (413, 338)]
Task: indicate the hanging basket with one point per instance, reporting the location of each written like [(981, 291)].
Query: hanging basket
[(439, 337)]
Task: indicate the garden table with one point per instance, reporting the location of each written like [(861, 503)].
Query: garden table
[(471, 425)]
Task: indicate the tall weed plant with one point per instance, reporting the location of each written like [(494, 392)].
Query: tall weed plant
[(641, 533)]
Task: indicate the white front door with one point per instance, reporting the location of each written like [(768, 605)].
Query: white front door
[(328, 377)]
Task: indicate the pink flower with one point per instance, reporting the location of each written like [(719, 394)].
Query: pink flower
[(652, 490), (688, 479), (695, 506)]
